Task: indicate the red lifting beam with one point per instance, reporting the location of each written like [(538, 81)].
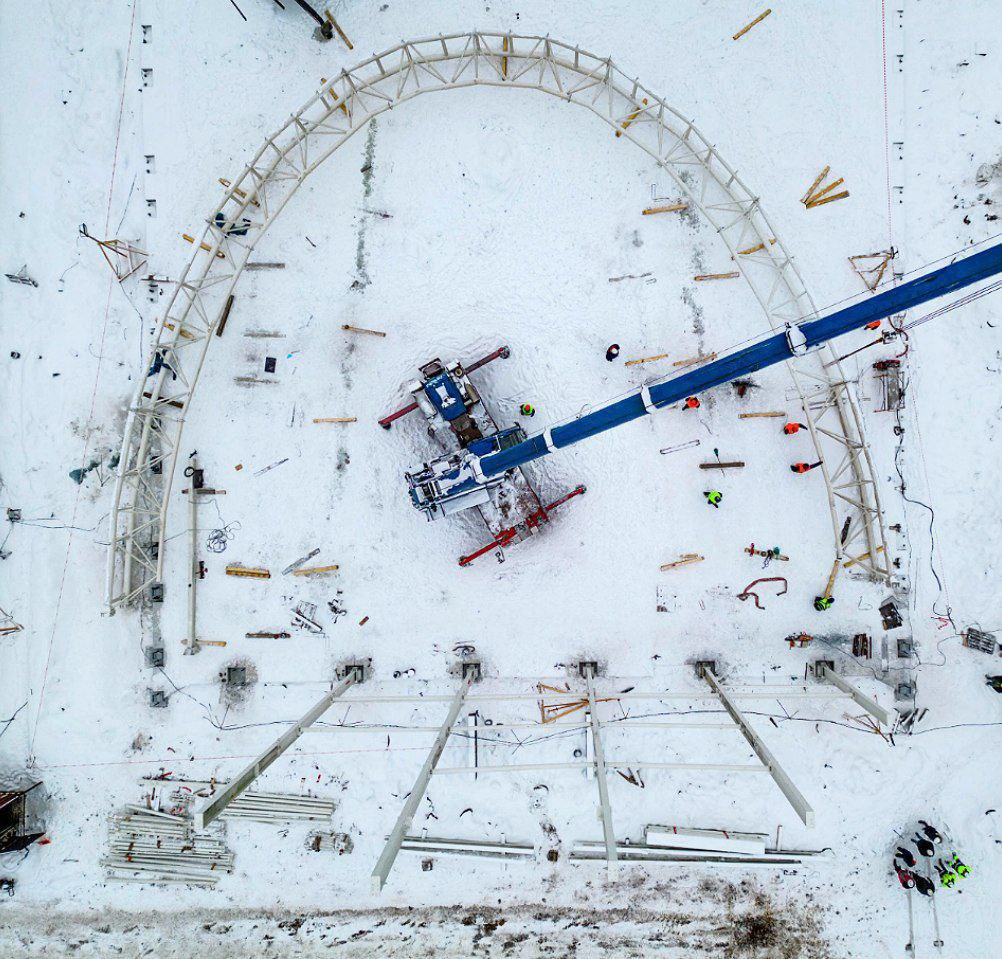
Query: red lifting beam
[(534, 520)]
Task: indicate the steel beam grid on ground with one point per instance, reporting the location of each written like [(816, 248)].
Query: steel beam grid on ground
[(336, 112)]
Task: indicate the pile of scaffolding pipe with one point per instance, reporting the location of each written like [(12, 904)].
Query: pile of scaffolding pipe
[(261, 807), (149, 846)]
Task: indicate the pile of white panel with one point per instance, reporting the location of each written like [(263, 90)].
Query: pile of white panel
[(149, 846)]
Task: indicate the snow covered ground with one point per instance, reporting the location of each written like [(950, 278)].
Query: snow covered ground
[(510, 215)]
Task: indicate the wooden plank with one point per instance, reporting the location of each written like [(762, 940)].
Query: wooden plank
[(717, 276), (828, 189), (633, 116), (175, 403), (831, 578), (671, 208), (251, 572), (754, 416), (226, 315), (240, 193), (757, 20), (335, 419), (755, 249), (314, 570), (361, 329), (340, 32), (182, 332), (693, 360), (828, 199), (686, 559), (860, 558), (722, 466), (815, 184), (646, 359), (203, 246)]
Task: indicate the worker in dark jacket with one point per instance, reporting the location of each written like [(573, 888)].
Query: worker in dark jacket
[(925, 847), (612, 352), (906, 856), (931, 832), (924, 885)]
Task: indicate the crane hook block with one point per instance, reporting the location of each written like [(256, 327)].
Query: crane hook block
[(796, 340)]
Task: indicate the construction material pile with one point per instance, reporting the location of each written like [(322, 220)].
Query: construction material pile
[(149, 846), (256, 806)]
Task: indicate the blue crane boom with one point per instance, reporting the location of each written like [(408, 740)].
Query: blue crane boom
[(768, 352), (455, 479)]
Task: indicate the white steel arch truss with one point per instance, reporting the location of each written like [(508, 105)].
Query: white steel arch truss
[(346, 104)]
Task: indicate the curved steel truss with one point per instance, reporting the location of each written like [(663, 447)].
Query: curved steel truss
[(346, 104)]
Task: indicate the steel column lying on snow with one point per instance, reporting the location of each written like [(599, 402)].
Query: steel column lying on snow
[(227, 794), (392, 847), (784, 782), (603, 783), (878, 712)]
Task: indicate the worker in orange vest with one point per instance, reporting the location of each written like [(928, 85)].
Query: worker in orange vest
[(691, 403), (792, 428), (804, 467)]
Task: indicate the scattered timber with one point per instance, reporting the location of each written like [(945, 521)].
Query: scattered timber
[(737, 464), (717, 276), (226, 315), (670, 208), (340, 32), (361, 329), (756, 248), (315, 570), (646, 359), (755, 22), (693, 360), (266, 635), (685, 560), (177, 404), (753, 416), (251, 572), (336, 419), (243, 196), (860, 558), (203, 246)]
